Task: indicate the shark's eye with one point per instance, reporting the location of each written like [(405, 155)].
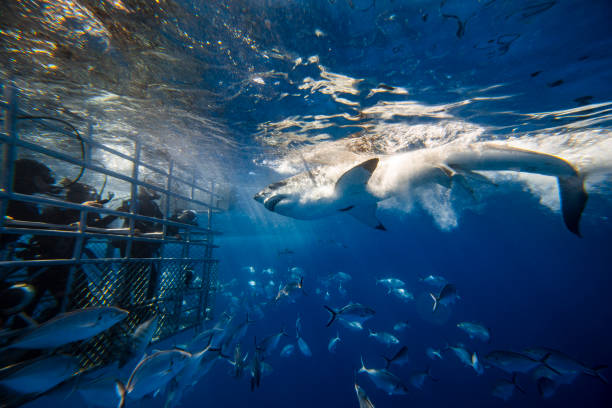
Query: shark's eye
[(276, 185)]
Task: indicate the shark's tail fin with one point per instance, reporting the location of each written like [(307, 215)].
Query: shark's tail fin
[(333, 316), (573, 200), (435, 299)]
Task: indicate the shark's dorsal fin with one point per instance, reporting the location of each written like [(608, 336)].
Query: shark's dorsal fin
[(355, 179), (366, 213)]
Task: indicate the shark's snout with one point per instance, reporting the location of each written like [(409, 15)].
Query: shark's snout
[(260, 197)]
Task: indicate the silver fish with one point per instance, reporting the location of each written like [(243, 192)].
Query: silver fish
[(351, 312), (303, 346), (69, 327), (475, 330), (355, 326), (256, 369), (564, 364), (287, 350), (340, 277), (433, 280), (289, 289), (362, 397), (140, 339), (513, 362), (390, 283), (385, 380), (152, 373), (333, 343), (239, 363), (476, 365), (402, 294), (433, 353), (34, 377), (401, 326), (270, 343), (542, 371), (235, 333), (464, 356), (385, 338)]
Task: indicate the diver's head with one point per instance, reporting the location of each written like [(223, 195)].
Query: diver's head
[(79, 192), (31, 176)]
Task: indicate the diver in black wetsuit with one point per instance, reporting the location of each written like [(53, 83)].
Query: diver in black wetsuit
[(54, 278), (184, 217), (29, 177), (145, 205)]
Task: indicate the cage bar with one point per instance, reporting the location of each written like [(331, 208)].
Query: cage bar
[(168, 272)]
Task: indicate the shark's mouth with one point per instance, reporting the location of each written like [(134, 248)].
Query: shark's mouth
[(271, 202)]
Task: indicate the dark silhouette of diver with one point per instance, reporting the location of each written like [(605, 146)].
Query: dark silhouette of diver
[(55, 278), (145, 205), (29, 177)]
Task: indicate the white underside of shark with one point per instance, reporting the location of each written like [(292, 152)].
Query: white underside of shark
[(356, 189)]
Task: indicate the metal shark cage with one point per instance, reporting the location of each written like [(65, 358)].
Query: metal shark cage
[(97, 273)]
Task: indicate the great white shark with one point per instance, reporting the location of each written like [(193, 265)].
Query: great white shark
[(357, 189)]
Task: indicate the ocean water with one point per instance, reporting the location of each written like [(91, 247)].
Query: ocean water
[(253, 92)]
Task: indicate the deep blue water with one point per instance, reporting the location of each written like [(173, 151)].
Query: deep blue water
[(536, 73), (515, 268)]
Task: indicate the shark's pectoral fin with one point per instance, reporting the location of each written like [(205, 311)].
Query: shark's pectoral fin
[(457, 175), (573, 201), (354, 181), (366, 213)]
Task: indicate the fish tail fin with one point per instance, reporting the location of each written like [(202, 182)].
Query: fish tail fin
[(518, 387), (333, 315), (121, 393), (338, 334), (363, 368), (388, 361), (435, 299), (596, 372), (544, 360), (573, 200)]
